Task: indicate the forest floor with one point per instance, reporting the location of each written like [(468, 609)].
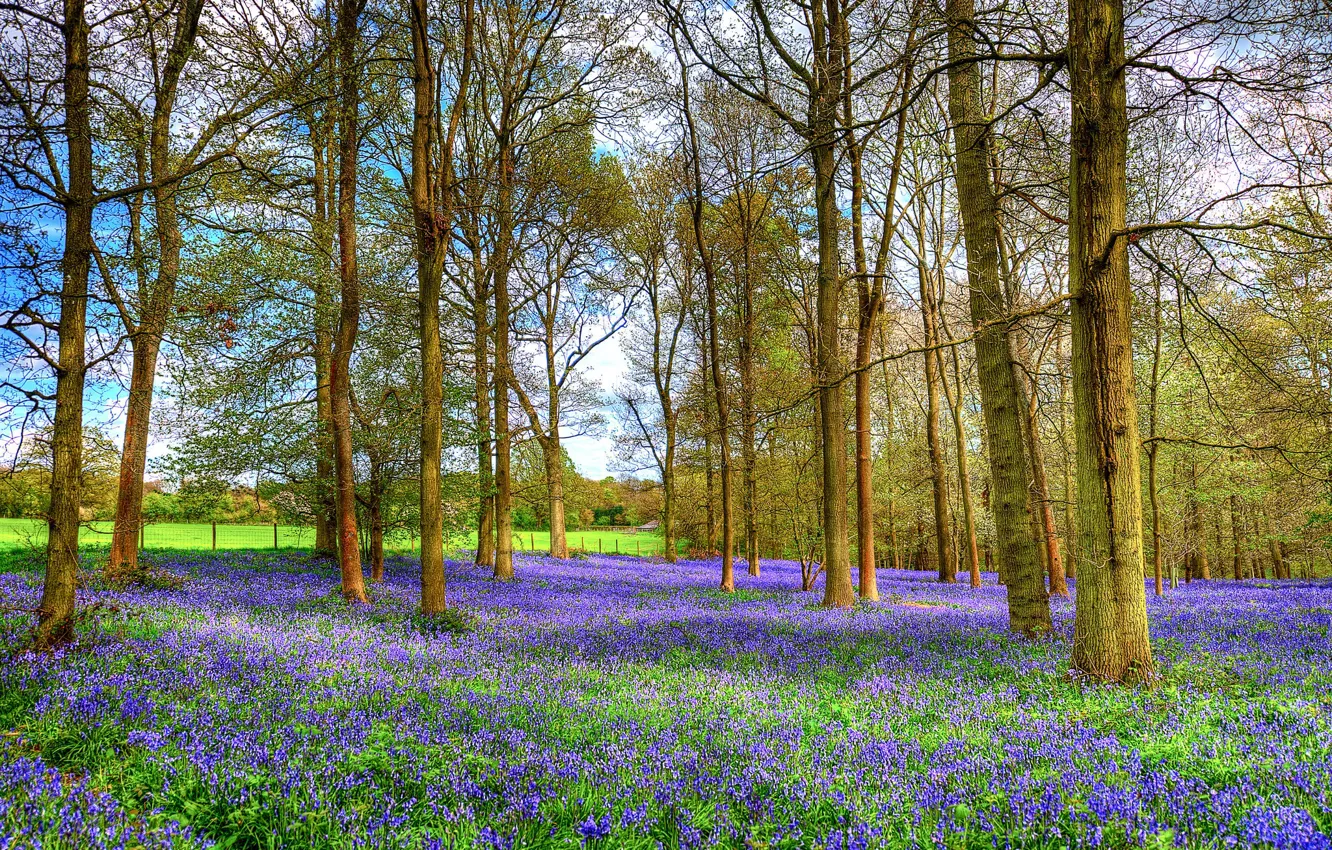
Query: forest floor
[(624, 703)]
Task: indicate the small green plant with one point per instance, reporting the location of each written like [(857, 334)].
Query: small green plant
[(450, 621)]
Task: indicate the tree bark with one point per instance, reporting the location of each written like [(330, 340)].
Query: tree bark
[(550, 449), (325, 510), (943, 515), (1110, 640), (503, 374), (55, 622), (1028, 605), (432, 214), (714, 348), (1044, 502), (349, 312), (146, 338), (828, 76), (954, 398)]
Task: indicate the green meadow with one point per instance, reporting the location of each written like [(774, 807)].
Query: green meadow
[(25, 533)]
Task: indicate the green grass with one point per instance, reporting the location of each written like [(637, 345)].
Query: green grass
[(31, 533)]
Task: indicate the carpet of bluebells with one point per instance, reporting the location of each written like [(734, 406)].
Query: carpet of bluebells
[(619, 703)]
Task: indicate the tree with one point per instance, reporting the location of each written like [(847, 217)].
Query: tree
[(1110, 640), (344, 340), (432, 199), (1028, 607)]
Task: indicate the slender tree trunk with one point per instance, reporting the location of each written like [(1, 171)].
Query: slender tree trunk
[(1110, 640), (709, 471), (747, 429), (325, 509), (1044, 503), (714, 349), (1238, 563), (375, 508), (1070, 530), (485, 479), (432, 214), (123, 564), (668, 483), (1028, 605), (503, 372), (550, 447), (55, 622), (869, 303), (344, 341), (954, 398), (146, 338), (838, 591), (943, 514)]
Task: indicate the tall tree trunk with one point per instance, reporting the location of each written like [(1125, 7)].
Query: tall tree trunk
[(1110, 639), (1028, 605), (503, 372), (709, 472), (1070, 530), (375, 509), (485, 479), (668, 496), (146, 338), (432, 215), (550, 448), (943, 515), (349, 313), (714, 348), (325, 508), (1238, 563), (838, 591), (55, 622), (1043, 502), (1153, 492), (748, 425), (954, 398)]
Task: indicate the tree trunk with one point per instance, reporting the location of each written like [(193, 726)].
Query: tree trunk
[(146, 339), (550, 449), (1044, 503), (943, 515), (709, 472), (1028, 605), (55, 622), (325, 507), (503, 373), (344, 341), (485, 479), (714, 350), (123, 564), (954, 398), (432, 214), (1070, 530), (1110, 640), (375, 509), (1238, 563)]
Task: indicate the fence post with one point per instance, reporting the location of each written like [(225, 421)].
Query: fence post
[(142, 527), (617, 545), (639, 545), (531, 541), (274, 535), (214, 535), (598, 545)]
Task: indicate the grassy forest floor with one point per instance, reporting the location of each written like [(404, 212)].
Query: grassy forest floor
[(619, 703)]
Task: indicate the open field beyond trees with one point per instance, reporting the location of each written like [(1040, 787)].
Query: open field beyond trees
[(617, 702), (25, 533)]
